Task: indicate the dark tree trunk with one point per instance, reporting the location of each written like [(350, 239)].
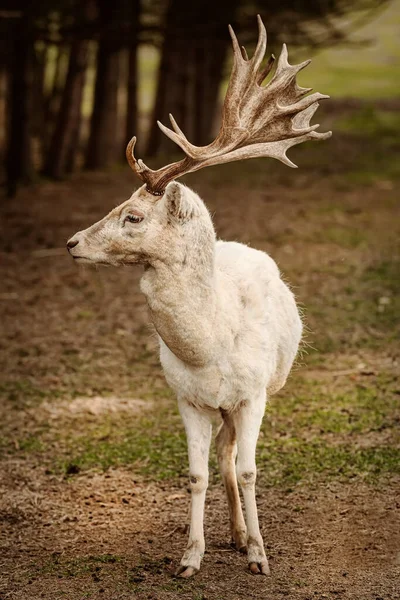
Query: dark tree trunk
[(102, 139), (131, 103), (75, 145), (3, 104), (54, 96), (154, 138), (38, 98), (191, 70), (20, 82), (132, 78), (170, 90), (67, 124), (102, 147)]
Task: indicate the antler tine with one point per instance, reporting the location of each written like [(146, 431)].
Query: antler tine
[(176, 127), (302, 104), (130, 157), (261, 44), (138, 167), (177, 136), (236, 48), (283, 59), (267, 69)]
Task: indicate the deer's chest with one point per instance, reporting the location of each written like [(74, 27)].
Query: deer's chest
[(221, 385)]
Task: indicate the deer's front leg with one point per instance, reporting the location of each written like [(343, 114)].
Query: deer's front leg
[(198, 432), (247, 423)]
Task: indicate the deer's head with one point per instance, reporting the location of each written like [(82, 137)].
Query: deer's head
[(257, 120), (145, 229)]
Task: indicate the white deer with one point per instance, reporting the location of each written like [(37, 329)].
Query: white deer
[(227, 325)]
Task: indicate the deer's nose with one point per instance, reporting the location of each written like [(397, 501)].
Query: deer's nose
[(72, 243)]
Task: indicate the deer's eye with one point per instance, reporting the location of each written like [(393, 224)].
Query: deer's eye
[(133, 218)]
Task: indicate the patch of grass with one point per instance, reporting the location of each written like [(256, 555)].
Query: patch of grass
[(377, 158), (384, 274), (366, 70), (359, 313), (65, 567), (346, 237), (294, 461), (21, 392), (154, 445), (32, 443), (105, 558), (315, 432), (312, 431), (370, 121), (313, 408)]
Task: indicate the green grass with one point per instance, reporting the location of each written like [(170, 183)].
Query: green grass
[(372, 122), (154, 446), (366, 70), (316, 432), (294, 461), (21, 392), (377, 159), (311, 432), (62, 567), (364, 311)]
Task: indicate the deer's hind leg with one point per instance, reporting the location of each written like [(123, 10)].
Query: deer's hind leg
[(226, 452), (247, 425)]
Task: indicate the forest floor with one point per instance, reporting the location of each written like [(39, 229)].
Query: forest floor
[(93, 490)]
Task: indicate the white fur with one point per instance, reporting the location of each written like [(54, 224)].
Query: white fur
[(229, 331)]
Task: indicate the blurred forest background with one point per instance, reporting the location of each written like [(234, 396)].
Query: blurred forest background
[(93, 455), (80, 77)]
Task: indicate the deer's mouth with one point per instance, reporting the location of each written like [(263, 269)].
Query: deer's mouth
[(90, 261), (83, 259)]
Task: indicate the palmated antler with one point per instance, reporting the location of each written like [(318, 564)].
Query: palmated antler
[(256, 121)]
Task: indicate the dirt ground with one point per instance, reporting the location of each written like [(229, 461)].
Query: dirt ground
[(93, 491)]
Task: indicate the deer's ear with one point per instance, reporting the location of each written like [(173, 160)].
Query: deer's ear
[(178, 201)]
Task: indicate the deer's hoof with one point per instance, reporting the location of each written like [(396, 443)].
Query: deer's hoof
[(259, 568), (239, 545), (239, 541), (185, 572)]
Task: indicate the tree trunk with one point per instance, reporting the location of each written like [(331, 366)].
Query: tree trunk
[(131, 103), (54, 96), (20, 81), (68, 119), (132, 79), (102, 147), (191, 70), (154, 138), (75, 145), (102, 139)]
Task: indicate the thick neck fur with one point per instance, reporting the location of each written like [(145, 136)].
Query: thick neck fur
[(181, 293)]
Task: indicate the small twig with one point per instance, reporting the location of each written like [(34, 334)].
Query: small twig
[(345, 372), (167, 535), (352, 372)]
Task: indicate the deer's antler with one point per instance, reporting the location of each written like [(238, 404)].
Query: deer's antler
[(256, 120)]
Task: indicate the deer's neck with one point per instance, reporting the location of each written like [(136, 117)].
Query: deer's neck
[(182, 303)]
